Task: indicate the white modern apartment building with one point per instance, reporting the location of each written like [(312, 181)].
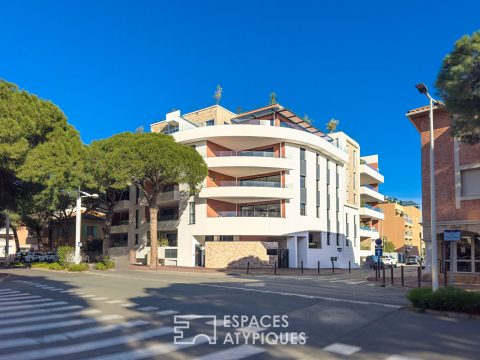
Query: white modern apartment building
[(278, 190)]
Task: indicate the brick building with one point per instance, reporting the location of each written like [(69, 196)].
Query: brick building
[(457, 176)]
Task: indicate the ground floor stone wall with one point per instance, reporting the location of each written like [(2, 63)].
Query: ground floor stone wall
[(236, 254)]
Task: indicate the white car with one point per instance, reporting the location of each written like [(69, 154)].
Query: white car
[(35, 256), (51, 257), (389, 261)]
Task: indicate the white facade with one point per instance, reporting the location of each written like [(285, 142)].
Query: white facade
[(296, 175)]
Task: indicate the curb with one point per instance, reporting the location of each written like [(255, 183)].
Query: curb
[(449, 314)]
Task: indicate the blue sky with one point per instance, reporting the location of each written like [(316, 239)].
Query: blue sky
[(113, 66)]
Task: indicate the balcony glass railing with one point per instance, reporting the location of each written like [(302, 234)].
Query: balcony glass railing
[(268, 154), (251, 183), (363, 162), (372, 208), (271, 214), (368, 228)]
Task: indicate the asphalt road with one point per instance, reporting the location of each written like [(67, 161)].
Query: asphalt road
[(129, 315)]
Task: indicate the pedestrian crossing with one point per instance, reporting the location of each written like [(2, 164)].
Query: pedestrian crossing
[(59, 329)]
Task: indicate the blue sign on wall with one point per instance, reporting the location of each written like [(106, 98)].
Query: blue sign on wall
[(451, 235)]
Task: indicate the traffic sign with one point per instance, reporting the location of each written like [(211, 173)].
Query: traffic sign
[(378, 242), (378, 251)]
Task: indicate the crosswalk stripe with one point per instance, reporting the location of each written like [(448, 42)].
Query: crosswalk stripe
[(128, 305), (342, 349), (148, 308), (114, 301), (25, 301), (19, 297), (86, 346), (166, 312), (70, 335), (38, 311), (19, 307), (100, 298), (235, 353), (9, 293), (149, 350), (87, 296), (61, 324), (4, 290), (48, 317)]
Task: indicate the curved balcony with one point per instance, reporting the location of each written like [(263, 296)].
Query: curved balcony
[(247, 191), (247, 163), (240, 136)]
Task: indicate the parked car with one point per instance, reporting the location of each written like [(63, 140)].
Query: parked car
[(376, 262), (34, 256), (389, 261), (51, 257), (413, 260), (20, 256)]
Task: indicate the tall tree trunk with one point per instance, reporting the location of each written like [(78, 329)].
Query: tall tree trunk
[(15, 236), (38, 232), (106, 232), (153, 238)]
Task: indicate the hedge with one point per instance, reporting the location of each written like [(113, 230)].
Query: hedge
[(445, 299)]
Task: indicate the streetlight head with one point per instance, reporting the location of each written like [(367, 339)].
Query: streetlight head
[(422, 88), (95, 196)]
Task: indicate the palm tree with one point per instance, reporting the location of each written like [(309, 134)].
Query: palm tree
[(332, 125), (218, 94), (273, 98)]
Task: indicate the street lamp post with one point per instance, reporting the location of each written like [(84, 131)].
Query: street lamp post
[(78, 222), (433, 216)]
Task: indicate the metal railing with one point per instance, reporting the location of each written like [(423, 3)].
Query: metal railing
[(250, 183), (249, 214), (268, 154), (368, 228), (372, 208)]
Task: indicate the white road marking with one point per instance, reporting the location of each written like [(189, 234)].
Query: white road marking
[(56, 289), (115, 301), (166, 312), (128, 305), (87, 296), (48, 317), (15, 302), (237, 352), (5, 290), (76, 334), (342, 349), (61, 324), (20, 307), (401, 357), (10, 293), (87, 346), (19, 297), (148, 308), (148, 351), (305, 296), (38, 311), (192, 316), (100, 298)]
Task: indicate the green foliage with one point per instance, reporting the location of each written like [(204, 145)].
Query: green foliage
[(308, 119), (65, 255), (458, 83), (332, 125), (445, 299), (162, 241), (388, 246), (55, 266), (77, 267), (100, 266), (273, 98), (49, 266)]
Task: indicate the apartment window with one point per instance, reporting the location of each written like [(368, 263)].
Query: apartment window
[(302, 154), (209, 238), (137, 194), (303, 211), (226, 238), (470, 182), (318, 159), (168, 188), (302, 181), (354, 180), (171, 253), (337, 176), (136, 219), (191, 212), (170, 236), (338, 230), (347, 227), (318, 185), (120, 218), (354, 230), (314, 240), (136, 239), (328, 231), (338, 199), (167, 214), (354, 158), (210, 122), (119, 240)]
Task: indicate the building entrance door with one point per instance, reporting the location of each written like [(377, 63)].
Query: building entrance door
[(468, 253)]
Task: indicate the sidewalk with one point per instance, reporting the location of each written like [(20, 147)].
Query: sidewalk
[(253, 272)]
